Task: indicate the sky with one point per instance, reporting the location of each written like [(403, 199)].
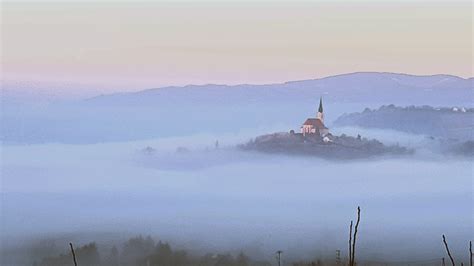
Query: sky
[(124, 45)]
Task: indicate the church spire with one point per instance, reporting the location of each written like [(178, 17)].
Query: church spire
[(320, 110), (320, 115)]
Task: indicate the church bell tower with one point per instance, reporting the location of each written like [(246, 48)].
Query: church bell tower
[(320, 114)]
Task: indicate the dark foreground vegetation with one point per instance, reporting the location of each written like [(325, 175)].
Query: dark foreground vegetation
[(144, 251)]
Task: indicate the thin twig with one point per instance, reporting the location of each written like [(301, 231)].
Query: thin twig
[(350, 243), (355, 236), (470, 253), (279, 257), (73, 254), (447, 250)]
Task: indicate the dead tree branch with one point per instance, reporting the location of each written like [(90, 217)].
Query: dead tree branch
[(350, 243), (447, 250), (470, 253), (73, 254), (355, 236)]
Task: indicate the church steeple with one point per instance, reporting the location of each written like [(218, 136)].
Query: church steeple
[(320, 115)]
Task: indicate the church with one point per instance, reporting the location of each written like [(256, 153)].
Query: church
[(316, 125)]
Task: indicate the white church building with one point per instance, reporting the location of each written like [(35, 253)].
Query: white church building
[(316, 125)]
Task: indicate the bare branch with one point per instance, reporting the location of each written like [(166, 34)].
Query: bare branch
[(279, 257), (350, 243), (447, 250), (355, 236), (470, 253), (73, 254)]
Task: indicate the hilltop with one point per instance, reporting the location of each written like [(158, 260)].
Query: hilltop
[(351, 87), (341, 147), (455, 123)]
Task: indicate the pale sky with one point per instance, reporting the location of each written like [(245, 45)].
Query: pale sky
[(122, 45)]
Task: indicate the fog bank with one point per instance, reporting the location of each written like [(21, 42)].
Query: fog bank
[(204, 198)]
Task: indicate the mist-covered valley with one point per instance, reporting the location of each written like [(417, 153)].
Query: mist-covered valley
[(104, 170), (218, 109)]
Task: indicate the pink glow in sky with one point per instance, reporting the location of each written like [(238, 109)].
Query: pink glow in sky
[(112, 46)]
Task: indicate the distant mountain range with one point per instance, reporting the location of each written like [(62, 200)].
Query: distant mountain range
[(217, 109), (365, 87)]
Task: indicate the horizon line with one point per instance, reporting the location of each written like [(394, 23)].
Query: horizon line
[(102, 92), (320, 78)]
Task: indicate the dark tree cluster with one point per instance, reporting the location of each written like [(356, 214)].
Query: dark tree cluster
[(88, 254), (144, 251)]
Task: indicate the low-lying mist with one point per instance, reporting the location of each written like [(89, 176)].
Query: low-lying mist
[(207, 199)]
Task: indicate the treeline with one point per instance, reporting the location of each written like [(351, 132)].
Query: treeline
[(445, 123), (144, 251)]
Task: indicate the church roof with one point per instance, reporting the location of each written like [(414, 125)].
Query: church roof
[(320, 105), (315, 122)]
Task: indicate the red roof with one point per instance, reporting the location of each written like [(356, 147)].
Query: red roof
[(315, 122)]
